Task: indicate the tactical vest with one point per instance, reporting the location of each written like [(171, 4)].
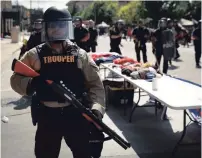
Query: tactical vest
[(59, 68)]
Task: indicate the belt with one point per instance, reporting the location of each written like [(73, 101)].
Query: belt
[(55, 104)]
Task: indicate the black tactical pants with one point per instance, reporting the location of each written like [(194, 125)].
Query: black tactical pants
[(165, 62), (56, 123), (177, 55), (115, 48), (197, 53), (92, 48), (144, 52)]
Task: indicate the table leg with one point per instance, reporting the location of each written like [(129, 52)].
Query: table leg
[(183, 134), (104, 73), (134, 106), (163, 115), (156, 102), (124, 88)]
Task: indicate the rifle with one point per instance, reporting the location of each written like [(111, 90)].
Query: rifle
[(22, 69)]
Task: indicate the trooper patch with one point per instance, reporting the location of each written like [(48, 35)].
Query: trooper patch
[(59, 59)]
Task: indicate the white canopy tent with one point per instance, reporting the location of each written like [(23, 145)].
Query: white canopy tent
[(185, 22)]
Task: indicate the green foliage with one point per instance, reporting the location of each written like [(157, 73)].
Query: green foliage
[(101, 11), (73, 10), (133, 11), (108, 11), (173, 9), (153, 9)]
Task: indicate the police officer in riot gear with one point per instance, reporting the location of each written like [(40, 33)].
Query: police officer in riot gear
[(35, 38), (115, 34), (164, 44), (92, 42), (81, 34), (196, 36), (59, 59)]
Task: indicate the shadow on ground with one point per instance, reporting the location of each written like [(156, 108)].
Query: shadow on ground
[(173, 67), (23, 103), (178, 60), (150, 137)]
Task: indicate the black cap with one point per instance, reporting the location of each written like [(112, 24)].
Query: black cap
[(78, 19), (54, 14), (169, 20)]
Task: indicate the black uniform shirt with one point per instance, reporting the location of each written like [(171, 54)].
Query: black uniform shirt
[(114, 31), (79, 33), (158, 36), (34, 40), (139, 33), (197, 34), (93, 34)]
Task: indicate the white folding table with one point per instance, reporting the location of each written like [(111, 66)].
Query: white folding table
[(172, 93)]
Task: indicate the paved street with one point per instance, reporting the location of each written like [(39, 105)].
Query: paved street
[(150, 137)]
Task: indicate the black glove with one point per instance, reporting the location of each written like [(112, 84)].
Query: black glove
[(98, 114), (35, 83)]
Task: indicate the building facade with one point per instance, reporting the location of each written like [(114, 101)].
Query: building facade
[(6, 17)]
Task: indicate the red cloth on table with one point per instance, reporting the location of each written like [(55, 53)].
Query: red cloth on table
[(96, 56), (124, 60)]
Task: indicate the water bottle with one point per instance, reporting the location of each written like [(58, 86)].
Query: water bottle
[(155, 83)]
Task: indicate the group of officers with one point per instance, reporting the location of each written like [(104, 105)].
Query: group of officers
[(86, 38), (165, 41), (141, 35)]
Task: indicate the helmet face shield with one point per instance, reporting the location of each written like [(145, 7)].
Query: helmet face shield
[(57, 30), (38, 26), (162, 24)]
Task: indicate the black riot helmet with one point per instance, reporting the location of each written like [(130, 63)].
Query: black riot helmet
[(162, 23), (38, 25), (120, 23), (57, 25)]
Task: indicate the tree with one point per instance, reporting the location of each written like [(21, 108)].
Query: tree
[(133, 11), (73, 9), (173, 9), (194, 10), (101, 11), (154, 9)]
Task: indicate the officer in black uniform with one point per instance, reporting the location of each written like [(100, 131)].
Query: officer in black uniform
[(196, 36), (59, 60), (140, 35), (35, 38), (158, 44), (81, 35), (92, 42), (115, 34)]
